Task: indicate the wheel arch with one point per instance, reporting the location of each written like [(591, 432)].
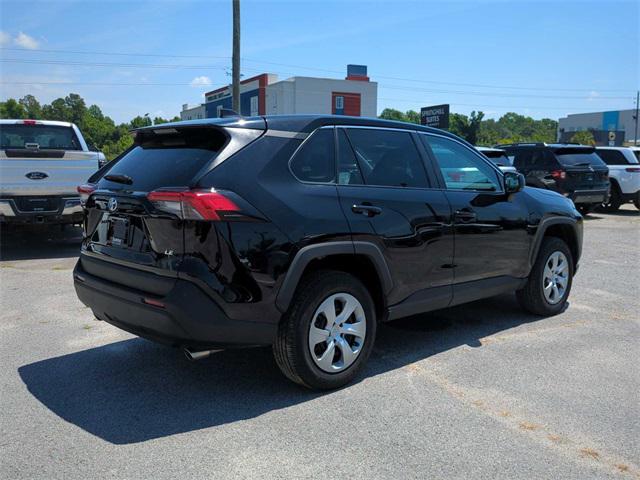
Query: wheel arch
[(566, 229), (364, 260)]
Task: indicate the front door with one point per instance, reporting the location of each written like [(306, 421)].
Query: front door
[(491, 238), (388, 200)]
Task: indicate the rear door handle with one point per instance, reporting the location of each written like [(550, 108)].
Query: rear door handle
[(465, 215), (366, 210)]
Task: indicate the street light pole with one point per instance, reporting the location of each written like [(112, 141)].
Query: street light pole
[(235, 67)]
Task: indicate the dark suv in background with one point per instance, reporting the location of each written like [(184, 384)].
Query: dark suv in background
[(304, 232), (574, 171)]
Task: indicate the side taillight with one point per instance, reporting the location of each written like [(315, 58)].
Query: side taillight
[(559, 174), (193, 204), (84, 191), (632, 169)]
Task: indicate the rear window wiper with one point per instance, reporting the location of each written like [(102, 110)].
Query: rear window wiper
[(583, 164), (117, 178)]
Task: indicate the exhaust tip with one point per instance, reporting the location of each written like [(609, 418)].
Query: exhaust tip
[(198, 355)]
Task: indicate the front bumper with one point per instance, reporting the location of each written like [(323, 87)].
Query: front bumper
[(188, 316), (64, 210), (589, 196)]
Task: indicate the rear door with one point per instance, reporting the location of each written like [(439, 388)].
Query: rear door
[(38, 159), (122, 223), (387, 197)]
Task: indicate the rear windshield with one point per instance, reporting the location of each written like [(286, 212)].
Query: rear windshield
[(575, 157), (499, 158), (637, 154), (38, 136), (166, 160)]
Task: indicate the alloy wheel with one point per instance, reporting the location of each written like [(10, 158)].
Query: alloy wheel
[(555, 277)]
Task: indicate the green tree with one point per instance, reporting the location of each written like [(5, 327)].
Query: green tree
[(12, 109), (584, 137), (31, 106), (139, 122), (466, 127), (393, 114)]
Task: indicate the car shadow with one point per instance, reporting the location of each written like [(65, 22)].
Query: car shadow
[(133, 390), (39, 242)]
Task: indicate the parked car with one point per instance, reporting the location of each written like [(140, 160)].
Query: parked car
[(41, 164), (624, 175), (499, 157), (572, 170), (304, 232)]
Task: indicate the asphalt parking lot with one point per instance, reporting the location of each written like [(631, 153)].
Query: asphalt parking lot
[(477, 391)]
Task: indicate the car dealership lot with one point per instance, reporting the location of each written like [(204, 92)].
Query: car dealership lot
[(477, 391)]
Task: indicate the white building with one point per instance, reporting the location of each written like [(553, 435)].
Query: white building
[(265, 95), (617, 124)]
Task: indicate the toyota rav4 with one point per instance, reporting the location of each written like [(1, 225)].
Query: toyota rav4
[(306, 232)]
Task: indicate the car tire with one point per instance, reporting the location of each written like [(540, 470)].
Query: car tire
[(636, 201), (305, 323), (543, 293), (615, 199)]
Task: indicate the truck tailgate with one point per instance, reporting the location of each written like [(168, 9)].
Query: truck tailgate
[(41, 175)]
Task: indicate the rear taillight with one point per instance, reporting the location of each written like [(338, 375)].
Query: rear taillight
[(84, 191), (559, 174), (632, 169), (193, 204), (28, 122)]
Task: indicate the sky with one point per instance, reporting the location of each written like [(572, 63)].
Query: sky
[(544, 59)]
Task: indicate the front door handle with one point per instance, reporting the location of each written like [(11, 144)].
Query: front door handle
[(366, 210), (465, 215)]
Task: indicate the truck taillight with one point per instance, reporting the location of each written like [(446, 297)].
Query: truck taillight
[(84, 191), (193, 204), (559, 174), (632, 169)]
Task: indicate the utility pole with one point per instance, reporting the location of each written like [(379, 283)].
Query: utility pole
[(235, 67), (635, 137)]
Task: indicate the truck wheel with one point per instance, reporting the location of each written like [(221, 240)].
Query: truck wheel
[(615, 199), (549, 282), (328, 332)]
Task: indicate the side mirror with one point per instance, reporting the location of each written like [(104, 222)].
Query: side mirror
[(513, 182)]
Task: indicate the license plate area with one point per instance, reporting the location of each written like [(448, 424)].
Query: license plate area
[(118, 231)]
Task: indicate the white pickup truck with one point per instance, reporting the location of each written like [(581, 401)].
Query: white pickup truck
[(41, 165)]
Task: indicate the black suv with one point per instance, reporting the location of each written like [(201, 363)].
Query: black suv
[(304, 232), (575, 171)]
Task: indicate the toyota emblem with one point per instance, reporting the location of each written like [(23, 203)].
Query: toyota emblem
[(113, 204)]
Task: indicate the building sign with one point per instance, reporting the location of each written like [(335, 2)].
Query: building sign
[(436, 116)]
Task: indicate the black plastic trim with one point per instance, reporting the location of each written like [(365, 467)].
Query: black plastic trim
[(311, 252)]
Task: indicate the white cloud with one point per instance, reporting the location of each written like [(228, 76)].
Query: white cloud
[(25, 41), (5, 38), (201, 81)]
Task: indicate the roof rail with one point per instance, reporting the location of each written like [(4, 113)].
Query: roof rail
[(521, 144)]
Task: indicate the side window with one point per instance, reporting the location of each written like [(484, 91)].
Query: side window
[(461, 168), (348, 169), (315, 161), (388, 158), (612, 157), (522, 159)]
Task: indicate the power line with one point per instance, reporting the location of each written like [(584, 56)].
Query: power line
[(382, 85), (398, 100), (303, 67)]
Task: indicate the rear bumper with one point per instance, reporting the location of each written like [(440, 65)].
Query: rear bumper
[(589, 196), (188, 317), (67, 210)]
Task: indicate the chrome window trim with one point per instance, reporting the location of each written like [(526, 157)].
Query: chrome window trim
[(478, 155)]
